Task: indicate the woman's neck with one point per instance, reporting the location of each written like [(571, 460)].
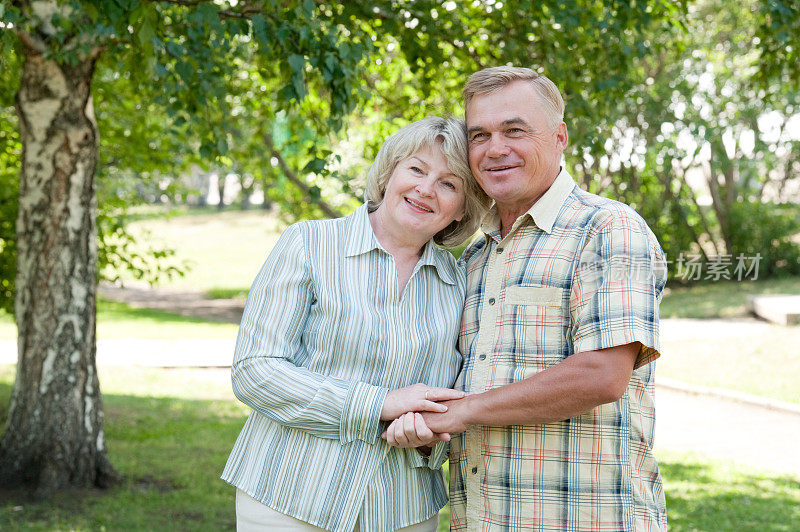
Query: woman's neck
[(401, 244)]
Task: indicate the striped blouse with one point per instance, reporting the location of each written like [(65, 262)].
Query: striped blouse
[(323, 338)]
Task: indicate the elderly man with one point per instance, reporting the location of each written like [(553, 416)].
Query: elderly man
[(559, 334)]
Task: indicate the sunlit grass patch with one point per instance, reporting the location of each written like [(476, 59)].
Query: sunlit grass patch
[(724, 299)]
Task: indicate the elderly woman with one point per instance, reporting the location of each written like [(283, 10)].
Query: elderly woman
[(350, 324)]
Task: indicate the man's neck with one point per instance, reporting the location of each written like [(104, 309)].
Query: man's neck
[(510, 212)]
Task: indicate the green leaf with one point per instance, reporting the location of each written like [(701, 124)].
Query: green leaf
[(174, 49), (222, 145), (208, 14), (315, 165), (297, 62), (184, 70), (260, 28), (299, 87)]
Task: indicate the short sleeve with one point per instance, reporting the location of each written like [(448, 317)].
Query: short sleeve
[(617, 288)]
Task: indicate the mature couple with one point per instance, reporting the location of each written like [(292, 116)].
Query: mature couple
[(356, 329)]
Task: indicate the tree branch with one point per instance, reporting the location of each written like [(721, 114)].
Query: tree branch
[(30, 41), (329, 211), (245, 12)]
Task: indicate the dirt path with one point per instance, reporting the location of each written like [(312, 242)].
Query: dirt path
[(191, 304)]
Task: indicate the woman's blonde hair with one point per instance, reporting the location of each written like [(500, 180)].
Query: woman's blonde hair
[(449, 135)]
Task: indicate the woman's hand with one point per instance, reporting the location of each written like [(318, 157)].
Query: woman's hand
[(409, 430), (416, 398)]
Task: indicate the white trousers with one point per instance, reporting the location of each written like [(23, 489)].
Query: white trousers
[(253, 516)]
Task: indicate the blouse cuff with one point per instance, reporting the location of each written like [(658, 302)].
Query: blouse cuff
[(434, 460), (362, 413), (438, 455)]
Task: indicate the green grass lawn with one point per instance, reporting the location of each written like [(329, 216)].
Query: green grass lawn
[(764, 363), (724, 299), (169, 433), (224, 250)]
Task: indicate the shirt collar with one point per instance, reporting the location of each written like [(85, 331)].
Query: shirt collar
[(360, 236), (361, 239), (543, 212)]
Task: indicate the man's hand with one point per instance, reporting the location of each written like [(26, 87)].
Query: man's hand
[(453, 421), (416, 398), (409, 430), (572, 387)]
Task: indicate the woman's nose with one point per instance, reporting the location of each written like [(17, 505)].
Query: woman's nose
[(425, 187)]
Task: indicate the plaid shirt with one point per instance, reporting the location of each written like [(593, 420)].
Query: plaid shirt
[(576, 273)]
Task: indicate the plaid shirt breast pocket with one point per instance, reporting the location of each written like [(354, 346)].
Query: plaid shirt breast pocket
[(534, 324)]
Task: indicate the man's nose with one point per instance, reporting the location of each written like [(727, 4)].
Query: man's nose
[(497, 147)]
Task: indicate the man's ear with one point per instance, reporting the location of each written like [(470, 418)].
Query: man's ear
[(562, 137)]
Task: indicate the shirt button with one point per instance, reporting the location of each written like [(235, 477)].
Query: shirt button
[(482, 357), (499, 250), (491, 301), (475, 470)]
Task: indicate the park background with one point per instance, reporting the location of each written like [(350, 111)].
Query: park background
[(218, 123)]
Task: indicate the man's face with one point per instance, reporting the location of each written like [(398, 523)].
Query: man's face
[(513, 152)]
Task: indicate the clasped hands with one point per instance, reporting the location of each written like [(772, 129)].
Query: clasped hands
[(422, 415)]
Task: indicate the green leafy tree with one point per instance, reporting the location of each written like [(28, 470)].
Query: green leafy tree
[(704, 148), (231, 84), (189, 50)]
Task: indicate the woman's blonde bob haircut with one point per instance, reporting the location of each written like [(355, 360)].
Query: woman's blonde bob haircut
[(449, 135)]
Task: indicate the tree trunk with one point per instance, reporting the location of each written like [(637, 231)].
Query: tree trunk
[(221, 181), (54, 434)]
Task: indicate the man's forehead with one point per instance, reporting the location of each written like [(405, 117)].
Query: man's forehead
[(514, 120), (515, 101)]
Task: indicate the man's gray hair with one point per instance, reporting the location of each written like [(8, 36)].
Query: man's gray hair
[(449, 135), (493, 79)]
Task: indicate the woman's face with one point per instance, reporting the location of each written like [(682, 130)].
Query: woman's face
[(423, 195)]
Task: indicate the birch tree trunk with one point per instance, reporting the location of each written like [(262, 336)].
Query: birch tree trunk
[(54, 434)]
